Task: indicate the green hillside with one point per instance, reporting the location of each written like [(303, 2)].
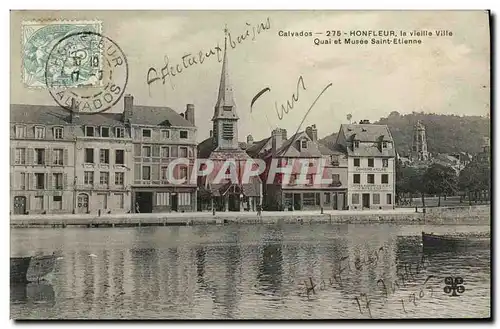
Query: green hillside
[(445, 133)]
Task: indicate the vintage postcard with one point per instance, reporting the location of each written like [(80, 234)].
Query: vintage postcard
[(250, 165)]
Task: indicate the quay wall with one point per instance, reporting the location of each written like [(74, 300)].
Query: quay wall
[(473, 215)]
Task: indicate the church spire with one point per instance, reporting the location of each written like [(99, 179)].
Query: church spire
[(225, 106)]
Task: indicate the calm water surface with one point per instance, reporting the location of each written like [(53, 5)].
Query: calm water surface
[(250, 272)]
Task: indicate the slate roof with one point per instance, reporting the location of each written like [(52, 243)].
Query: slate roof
[(254, 149), (366, 132), (206, 148), (55, 115), (289, 150)]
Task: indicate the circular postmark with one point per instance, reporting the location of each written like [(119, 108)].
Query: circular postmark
[(86, 72)]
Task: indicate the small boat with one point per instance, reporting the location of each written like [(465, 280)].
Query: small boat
[(31, 268), (454, 241)]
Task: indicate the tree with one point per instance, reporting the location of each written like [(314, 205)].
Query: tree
[(439, 179), (475, 178), (407, 180)]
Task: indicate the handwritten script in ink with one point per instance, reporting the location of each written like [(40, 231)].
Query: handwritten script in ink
[(171, 69)]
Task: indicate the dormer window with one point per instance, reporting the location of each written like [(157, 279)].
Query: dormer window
[(39, 132), (146, 132), (184, 133), (384, 145), (104, 132), (20, 131), (356, 144), (89, 131), (58, 132), (165, 134), (304, 144), (120, 132)]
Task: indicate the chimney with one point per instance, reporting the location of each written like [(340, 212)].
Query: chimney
[(75, 112), (312, 132), (277, 139), (283, 134), (128, 104), (189, 114), (249, 139)]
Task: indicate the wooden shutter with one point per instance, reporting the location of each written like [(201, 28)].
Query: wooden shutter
[(156, 150), (30, 181), (137, 150), (65, 157), (65, 181), (174, 152), (47, 156), (155, 172), (12, 180), (12, 155), (137, 171), (48, 181), (31, 155)]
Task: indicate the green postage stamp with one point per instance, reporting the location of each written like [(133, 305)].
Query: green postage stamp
[(40, 37)]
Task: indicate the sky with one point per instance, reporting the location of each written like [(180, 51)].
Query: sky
[(445, 75)]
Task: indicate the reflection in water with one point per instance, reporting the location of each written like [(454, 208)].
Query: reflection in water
[(251, 272)]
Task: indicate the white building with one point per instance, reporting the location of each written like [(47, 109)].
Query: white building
[(371, 165)]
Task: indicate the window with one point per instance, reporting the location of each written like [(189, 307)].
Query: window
[(371, 162), (389, 198), (318, 199), (146, 151), (104, 178), (356, 179), (57, 202), (356, 162), (385, 163), (40, 181), (371, 179), (355, 198), (20, 131), (184, 133), (183, 172), (40, 156), (227, 131), (58, 133), (327, 198), (165, 134), (356, 144), (57, 157), (293, 179), (164, 172), (385, 179), (146, 173), (39, 132), (227, 108), (89, 155), (20, 156), (104, 132), (184, 199), (57, 180), (304, 144), (376, 198), (146, 133), (104, 156), (309, 179), (384, 145), (89, 131), (119, 157), (120, 132), (334, 159), (22, 181), (183, 152), (309, 199), (165, 152), (162, 199), (88, 178), (336, 178), (119, 178)]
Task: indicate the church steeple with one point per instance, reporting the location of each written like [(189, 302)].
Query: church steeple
[(225, 108)]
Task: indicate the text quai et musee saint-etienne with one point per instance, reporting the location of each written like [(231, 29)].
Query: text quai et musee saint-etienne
[(365, 37)]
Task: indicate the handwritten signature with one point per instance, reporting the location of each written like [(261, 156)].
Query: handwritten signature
[(172, 69)]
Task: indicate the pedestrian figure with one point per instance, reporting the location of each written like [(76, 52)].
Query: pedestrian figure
[(137, 210), (259, 209)]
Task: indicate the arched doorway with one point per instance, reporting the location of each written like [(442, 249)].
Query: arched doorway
[(19, 205), (83, 203)]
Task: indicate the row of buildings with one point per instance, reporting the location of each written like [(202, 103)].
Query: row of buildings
[(63, 162)]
